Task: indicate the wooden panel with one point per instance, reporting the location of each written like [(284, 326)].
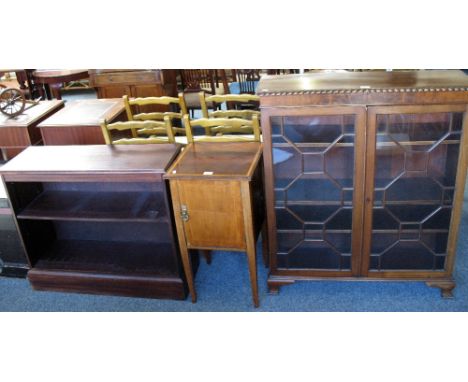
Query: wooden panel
[(89, 112), (32, 114), (215, 213), (232, 160), (92, 159), (72, 135), (125, 285), (362, 81), (114, 91), (14, 136)]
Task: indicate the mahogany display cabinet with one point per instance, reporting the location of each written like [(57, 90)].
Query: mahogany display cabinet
[(97, 219), (364, 175)]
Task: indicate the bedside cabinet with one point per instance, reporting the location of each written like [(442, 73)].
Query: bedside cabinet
[(217, 197)]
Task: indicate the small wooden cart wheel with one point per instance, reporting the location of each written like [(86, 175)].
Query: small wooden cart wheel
[(12, 102)]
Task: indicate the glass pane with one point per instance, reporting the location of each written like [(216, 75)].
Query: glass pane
[(416, 162), (313, 159)]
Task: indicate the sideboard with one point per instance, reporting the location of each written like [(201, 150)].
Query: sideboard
[(364, 175)]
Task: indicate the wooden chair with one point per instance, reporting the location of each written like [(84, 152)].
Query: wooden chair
[(133, 127), (224, 129), (209, 81), (178, 102), (246, 79), (239, 105)]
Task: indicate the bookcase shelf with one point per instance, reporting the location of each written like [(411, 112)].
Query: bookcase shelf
[(96, 206)]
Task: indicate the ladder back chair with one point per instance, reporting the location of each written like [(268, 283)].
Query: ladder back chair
[(178, 102), (236, 104), (210, 81), (161, 130), (224, 129)]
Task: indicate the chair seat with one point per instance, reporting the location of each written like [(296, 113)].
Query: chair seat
[(192, 99), (225, 138)]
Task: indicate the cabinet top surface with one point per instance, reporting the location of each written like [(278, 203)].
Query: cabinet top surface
[(210, 160), (31, 114), (90, 159), (86, 112), (432, 80)]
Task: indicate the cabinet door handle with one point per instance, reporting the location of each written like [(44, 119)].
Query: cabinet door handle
[(184, 213)]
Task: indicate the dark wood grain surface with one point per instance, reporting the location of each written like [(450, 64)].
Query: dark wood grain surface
[(31, 114), (217, 160), (91, 159), (362, 81), (86, 112)]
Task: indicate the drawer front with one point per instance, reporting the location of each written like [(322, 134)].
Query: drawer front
[(214, 213), (129, 78)]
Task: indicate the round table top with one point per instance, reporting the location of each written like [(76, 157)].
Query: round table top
[(59, 75)]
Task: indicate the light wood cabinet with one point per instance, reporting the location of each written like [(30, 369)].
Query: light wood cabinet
[(365, 174), (217, 197)]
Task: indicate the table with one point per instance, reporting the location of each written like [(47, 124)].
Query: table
[(19, 132), (79, 123), (96, 219), (55, 78), (217, 196)]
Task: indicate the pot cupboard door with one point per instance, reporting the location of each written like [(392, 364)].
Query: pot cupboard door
[(411, 198), (317, 177)]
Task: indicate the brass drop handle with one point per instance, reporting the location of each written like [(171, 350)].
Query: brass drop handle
[(184, 213)]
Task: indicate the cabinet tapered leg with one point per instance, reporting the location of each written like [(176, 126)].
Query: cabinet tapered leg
[(251, 257), (187, 264), (250, 239)]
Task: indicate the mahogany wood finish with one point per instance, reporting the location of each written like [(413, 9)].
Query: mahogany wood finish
[(115, 83), (54, 80), (364, 175), (79, 123), (218, 202), (20, 132), (97, 219)]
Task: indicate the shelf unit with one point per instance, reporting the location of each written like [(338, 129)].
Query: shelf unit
[(100, 226), (364, 175)]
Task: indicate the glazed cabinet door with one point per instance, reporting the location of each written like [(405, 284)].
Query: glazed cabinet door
[(314, 168), (415, 179)]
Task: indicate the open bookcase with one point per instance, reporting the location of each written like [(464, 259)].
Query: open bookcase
[(101, 225)]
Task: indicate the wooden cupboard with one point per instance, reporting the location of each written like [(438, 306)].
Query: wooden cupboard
[(115, 83), (79, 123), (97, 219), (19, 132), (217, 195), (364, 175)]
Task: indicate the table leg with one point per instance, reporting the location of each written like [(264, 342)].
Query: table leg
[(56, 90)]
